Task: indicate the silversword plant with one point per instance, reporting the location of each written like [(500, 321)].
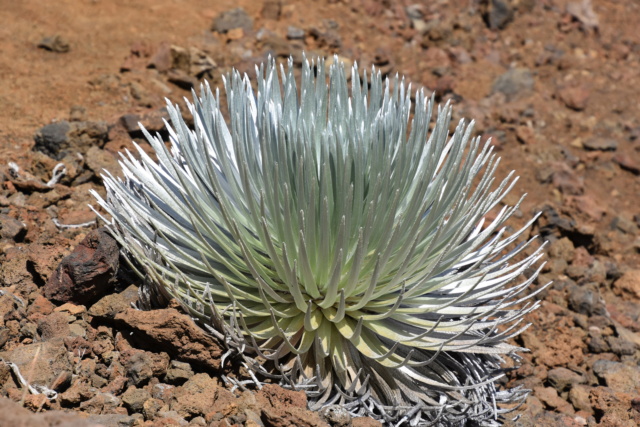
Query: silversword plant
[(335, 242)]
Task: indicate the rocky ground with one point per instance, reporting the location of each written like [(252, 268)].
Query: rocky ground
[(553, 82)]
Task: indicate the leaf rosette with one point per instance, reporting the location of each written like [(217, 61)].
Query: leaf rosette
[(334, 237)]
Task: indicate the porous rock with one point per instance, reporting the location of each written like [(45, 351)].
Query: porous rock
[(628, 284), (110, 305), (178, 372), (101, 403), (101, 161), (138, 366), (62, 381), (150, 407), (579, 398), (54, 325), (616, 405), (30, 267), (197, 396), (79, 391), (562, 248), (175, 333), (51, 358), (286, 407), (134, 398), (551, 398), (618, 376), (39, 308)]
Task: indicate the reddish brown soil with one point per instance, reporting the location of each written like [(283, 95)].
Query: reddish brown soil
[(555, 84)]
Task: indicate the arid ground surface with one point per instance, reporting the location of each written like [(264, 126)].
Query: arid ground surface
[(554, 83)]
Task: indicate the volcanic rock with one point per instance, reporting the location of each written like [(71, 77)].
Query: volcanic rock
[(88, 272)]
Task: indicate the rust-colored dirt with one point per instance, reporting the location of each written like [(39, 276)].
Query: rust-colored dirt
[(555, 83)]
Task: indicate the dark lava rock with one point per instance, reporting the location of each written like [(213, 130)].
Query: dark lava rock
[(51, 137), (181, 79), (513, 82), (231, 19), (498, 14), (555, 224), (153, 122), (328, 39), (139, 367), (87, 273), (601, 322), (597, 345), (587, 301), (59, 139)]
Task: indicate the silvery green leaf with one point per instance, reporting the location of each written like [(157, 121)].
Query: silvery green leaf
[(335, 241)]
